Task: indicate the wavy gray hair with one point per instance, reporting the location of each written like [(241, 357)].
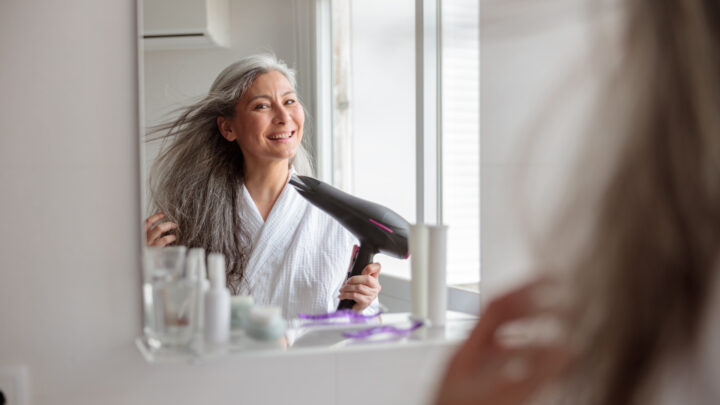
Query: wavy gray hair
[(196, 178), (644, 273)]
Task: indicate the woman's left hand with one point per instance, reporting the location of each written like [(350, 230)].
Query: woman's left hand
[(362, 289)]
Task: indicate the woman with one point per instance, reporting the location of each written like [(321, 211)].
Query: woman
[(222, 184), (643, 317)]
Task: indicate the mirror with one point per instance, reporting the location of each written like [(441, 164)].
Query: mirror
[(185, 46)]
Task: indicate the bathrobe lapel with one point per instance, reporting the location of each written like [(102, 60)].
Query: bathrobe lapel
[(299, 256), (270, 241)]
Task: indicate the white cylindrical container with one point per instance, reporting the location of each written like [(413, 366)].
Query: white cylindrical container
[(437, 275), (418, 245), (197, 272), (240, 312), (266, 323), (217, 303)]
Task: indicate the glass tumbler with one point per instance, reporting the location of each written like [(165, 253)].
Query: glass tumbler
[(168, 297)]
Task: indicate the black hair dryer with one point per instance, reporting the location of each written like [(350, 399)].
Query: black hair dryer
[(379, 229)]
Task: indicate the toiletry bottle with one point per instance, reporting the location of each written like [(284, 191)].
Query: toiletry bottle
[(240, 313), (198, 273), (419, 246), (266, 323), (217, 303), (437, 280)]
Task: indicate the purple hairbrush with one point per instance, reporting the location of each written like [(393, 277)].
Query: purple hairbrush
[(376, 330)]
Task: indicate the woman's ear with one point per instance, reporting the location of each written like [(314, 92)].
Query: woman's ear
[(226, 130)]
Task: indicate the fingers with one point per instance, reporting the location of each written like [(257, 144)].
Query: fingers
[(360, 293), (519, 303), (372, 269), (362, 300), (523, 372), (508, 377), (152, 220), (155, 230), (159, 230), (367, 280), (164, 241), (362, 289), (486, 369), (486, 342)]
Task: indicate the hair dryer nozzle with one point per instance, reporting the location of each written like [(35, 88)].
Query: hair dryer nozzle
[(297, 182), (373, 224)]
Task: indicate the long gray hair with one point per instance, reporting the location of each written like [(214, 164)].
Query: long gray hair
[(644, 273), (198, 174)]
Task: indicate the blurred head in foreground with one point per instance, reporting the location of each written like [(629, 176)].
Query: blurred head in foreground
[(641, 269)]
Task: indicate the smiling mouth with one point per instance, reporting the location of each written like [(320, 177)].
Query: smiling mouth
[(282, 135)]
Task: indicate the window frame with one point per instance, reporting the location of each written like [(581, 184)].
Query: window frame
[(428, 109)]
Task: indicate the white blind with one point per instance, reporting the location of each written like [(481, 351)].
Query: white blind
[(461, 138)]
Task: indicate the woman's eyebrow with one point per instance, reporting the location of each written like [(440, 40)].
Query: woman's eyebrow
[(268, 97)]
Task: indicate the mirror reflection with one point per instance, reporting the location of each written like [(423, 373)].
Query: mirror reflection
[(221, 183), (237, 225)]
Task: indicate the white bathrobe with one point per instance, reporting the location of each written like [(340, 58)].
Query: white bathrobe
[(300, 255)]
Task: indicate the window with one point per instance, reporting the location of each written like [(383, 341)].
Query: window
[(373, 136), (461, 139)]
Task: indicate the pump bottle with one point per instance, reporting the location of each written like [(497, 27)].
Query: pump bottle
[(217, 303), (197, 273)]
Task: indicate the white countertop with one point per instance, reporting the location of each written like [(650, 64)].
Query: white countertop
[(305, 337)]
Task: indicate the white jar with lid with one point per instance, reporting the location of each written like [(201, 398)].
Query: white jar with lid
[(266, 323)]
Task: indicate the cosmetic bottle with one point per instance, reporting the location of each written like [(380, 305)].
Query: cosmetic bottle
[(266, 323), (216, 320), (419, 245), (197, 273), (240, 313), (437, 277), (196, 277)]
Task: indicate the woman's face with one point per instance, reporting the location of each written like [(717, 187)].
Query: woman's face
[(268, 120)]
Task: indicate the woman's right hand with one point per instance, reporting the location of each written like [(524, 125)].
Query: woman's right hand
[(489, 368), (154, 230)]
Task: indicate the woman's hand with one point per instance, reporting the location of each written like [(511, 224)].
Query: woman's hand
[(154, 230), (362, 289), (490, 368)]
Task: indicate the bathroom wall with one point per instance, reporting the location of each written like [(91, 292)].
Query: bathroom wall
[(69, 232), (69, 236), (537, 77)]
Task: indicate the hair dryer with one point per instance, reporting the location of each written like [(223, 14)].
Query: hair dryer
[(379, 229)]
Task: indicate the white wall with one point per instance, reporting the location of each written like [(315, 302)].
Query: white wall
[(536, 88), (69, 236)]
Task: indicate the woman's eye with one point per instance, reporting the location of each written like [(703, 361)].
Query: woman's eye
[(289, 102), (261, 106)]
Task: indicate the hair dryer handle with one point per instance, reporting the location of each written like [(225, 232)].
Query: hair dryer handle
[(361, 258)]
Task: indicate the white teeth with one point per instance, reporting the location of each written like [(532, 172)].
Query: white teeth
[(281, 136)]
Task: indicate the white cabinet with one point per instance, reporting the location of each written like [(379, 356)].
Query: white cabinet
[(178, 24)]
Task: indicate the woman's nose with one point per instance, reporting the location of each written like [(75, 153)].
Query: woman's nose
[(282, 116)]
